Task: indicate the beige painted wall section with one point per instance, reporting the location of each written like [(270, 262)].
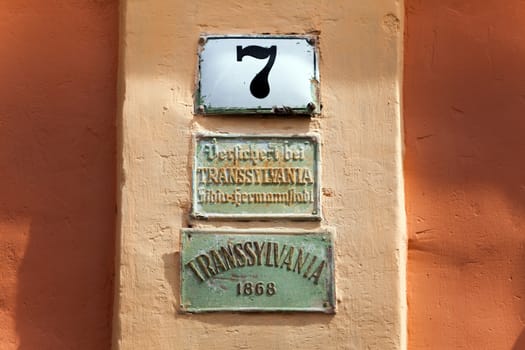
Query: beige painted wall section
[(360, 45)]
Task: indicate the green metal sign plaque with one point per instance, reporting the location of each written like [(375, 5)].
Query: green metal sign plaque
[(256, 177), (257, 270)]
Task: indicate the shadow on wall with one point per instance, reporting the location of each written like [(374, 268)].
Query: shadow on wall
[(57, 161), (520, 343), (464, 99)]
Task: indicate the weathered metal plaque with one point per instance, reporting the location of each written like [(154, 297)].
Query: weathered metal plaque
[(256, 177), (266, 74), (256, 270)]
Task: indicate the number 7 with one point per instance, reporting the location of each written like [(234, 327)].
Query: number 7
[(259, 87)]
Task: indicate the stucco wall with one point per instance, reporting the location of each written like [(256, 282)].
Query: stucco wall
[(465, 127), (57, 180), (360, 45)]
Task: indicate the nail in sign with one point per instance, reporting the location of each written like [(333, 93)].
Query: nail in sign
[(257, 75)]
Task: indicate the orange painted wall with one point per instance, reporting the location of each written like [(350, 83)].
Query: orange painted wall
[(464, 111), (58, 62)]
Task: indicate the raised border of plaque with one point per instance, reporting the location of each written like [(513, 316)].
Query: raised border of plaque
[(257, 74), (256, 177), (257, 270)]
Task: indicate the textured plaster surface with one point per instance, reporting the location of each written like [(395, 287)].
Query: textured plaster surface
[(465, 175), (363, 198), (58, 75)]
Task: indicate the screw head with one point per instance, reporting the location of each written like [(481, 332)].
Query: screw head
[(311, 106), (311, 41), (201, 109)]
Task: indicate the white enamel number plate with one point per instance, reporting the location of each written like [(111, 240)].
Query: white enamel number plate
[(257, 74)]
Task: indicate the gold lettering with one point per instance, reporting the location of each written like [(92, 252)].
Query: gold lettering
[(258, 251), (212, 175), (287, 153), (301, 153), (287, 260), (279, 178), (222, 176), (232, 175), (270, 153), (268, 252), (307, 176), (276, 255), (267, 176), (317, 272), (259, 197), (217, 261), (291, 174), (241, 175), (200, 175), (310, 267), (239, 254), (231, 155), (204, 262), (211, 150), (258, 177), (251, 255), (228, 257), (273, 172), (192, 266), (249, 176), (300, 262)]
